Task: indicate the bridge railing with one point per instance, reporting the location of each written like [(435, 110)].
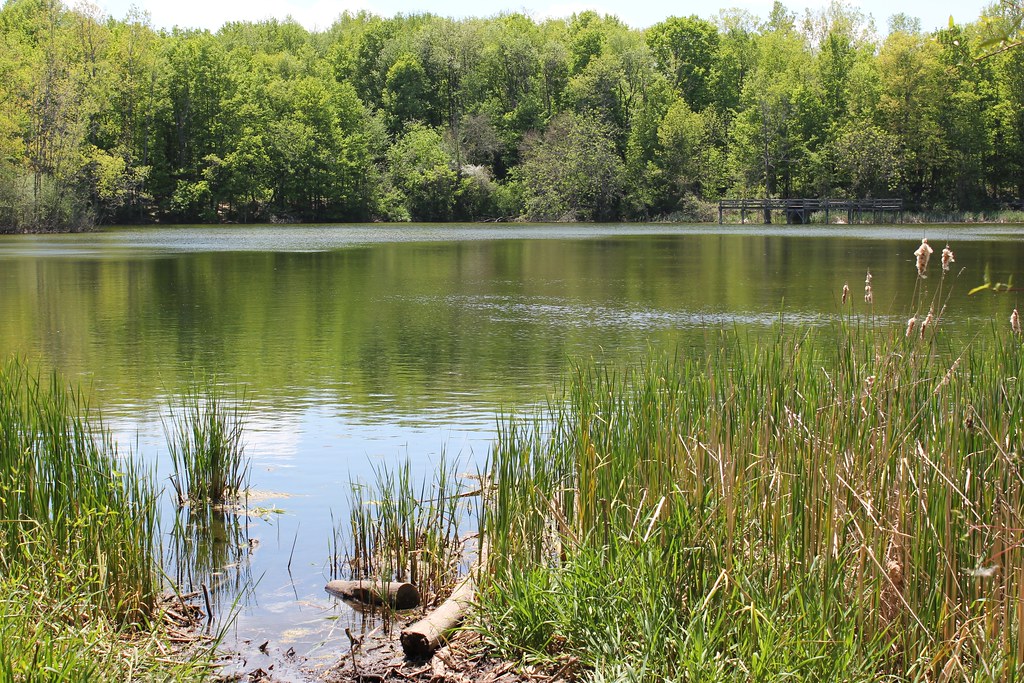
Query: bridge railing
[(799, 209)]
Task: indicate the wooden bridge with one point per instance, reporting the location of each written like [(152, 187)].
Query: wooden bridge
[(799, 211)]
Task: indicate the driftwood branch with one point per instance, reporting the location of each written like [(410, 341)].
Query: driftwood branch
[(397, 594)]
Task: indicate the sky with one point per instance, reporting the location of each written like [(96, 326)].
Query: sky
[(320, 14)]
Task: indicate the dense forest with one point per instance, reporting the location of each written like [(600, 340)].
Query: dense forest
[(425, 118)]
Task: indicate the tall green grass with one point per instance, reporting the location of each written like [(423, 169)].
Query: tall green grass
[(72, 508), (79, 560), (400, 531), (205, 436), (839, 504)]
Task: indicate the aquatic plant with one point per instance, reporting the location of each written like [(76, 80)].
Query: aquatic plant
[(398, 531), (835, 504), (73, 508), (79, 586), (205, 436)]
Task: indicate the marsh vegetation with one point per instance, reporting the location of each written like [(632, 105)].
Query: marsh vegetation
[(839, 504), (80, 561)]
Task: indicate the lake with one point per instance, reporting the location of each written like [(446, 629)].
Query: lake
[(361, 346)]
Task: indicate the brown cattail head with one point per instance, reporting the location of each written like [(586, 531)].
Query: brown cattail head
[(923, 253), (846, 291), (1015, 322), (927, 321), (869, 296), (911, 324), (891, 598), (947, 258)]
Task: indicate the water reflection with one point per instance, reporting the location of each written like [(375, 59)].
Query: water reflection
[(208, 552)]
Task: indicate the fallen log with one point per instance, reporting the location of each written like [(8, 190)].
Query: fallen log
[(421, 639), (397, 594), (426, 635)]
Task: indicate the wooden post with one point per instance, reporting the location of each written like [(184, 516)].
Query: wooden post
[(719, 212)]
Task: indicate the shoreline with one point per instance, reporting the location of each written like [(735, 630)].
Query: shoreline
[(972, 218)]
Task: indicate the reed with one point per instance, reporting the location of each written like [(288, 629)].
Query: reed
[(837, 504), (403, 530), (205, 436), (72, 508), (79, 559)]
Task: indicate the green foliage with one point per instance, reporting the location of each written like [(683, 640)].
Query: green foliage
[(573, 172), (398, 533), (407, 93), (686, 51), (71, 506), (205, 438), (797, 507), (422, 170), (111, 121), (79, 559)]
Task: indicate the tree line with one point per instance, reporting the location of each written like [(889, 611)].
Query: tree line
[(427, 118)]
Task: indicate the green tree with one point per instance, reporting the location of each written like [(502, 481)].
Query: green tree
[(52, 57), (782, 117), (573, 172), (687, 158), (686, 51), (910, 95), (860, 160), (449, 51), (965, 120), (408, 95), (1007, 165), (422, 171), (192, 125)]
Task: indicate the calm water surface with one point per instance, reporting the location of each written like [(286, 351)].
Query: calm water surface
[(364, 345)]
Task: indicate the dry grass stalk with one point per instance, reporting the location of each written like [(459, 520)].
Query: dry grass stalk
[(891, 598)]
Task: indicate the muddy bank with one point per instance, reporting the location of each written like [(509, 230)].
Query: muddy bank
[(463, 659)]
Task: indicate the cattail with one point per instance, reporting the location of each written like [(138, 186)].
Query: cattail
[(891, 596), (947, 258), (869, 296), (1015, 322), (846, 292), (927, 321), (923, 253), (911, 324), (948, 376)]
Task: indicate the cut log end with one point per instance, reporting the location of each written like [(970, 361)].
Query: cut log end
[(417, 645)]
